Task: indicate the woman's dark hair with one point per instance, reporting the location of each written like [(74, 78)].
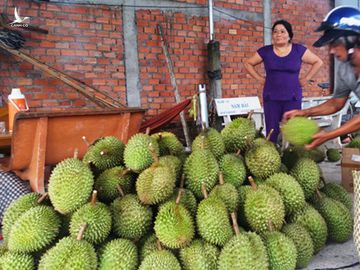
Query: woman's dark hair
[(287, 26)]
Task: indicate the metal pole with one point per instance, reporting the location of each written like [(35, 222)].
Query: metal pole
[(203, 106), (211, 20)]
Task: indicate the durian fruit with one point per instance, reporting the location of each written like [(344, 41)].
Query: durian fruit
[(355, 143), (243, 191), (174, 163), (303, 243), (118, 254), (262, 204), (34, 230), (244, 251), (96, 216), (281, 251), (233, 168), (131, 219), (290, 191), (227, 193), (212, 220), (212, 141), (318, 155), (70, 253), (199, 255), (155, 184), (333, 154), (238, 134), (307, 173), (19, 261), (337, 192), (105, 153), (174, 225), (17, 208), (337, 217), (108, 182), (137, 154), (70, 185), (201, 166), (147, 245), (291, 155), (299, 130), (160, 260), (263, 161), (314, 223), (168, 143)]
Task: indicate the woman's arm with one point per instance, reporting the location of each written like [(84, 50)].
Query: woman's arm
[(250, 64), (315, 62)]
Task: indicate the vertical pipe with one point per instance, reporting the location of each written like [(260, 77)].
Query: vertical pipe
[(203, 105), (211, 20)]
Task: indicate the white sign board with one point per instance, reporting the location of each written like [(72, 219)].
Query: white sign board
[(234, 106)]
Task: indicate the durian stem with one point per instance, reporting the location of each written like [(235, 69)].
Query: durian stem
[(202, 142), (221, 178), (42, 198), (153, 153), (252, 183), (158, 244), (148, 129), (104, 152), (250, 114), (269, 135), (235, 224), (318, 194), (238, 152), (322, 179), (85, 141), (270, 225), (178, 198), (203, 190), (81, 232), (182, 181), (121, 191), (76, 152), (203, 126), (93, 198), (160, 135), (125, 172)]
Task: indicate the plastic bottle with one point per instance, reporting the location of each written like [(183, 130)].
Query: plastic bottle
[(17, 102)]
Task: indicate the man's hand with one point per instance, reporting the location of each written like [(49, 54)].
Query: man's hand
[(318, 139), (290, 114)]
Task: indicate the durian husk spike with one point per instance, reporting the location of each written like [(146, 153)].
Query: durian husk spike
[(203, 190), (178, 198), (76, 153), (234, 223), (42, 198), (182, 181), (153, 153), (158, 244), (252, 183), (250, 114), (93, 198), (121, 191), (80, 235), (269, 135), (221, 178), (85, 141), (148, 129)]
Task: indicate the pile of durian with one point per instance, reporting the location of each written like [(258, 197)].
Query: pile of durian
[(231, 203)]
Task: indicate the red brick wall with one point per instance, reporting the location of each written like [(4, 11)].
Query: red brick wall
[(86, 41)]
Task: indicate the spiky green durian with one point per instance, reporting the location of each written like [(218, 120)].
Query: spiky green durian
[(34, 230), (314, 223), (228, 194), (318, 155), (243, 191), (97, 217), (355, 143), (290, 191), (201, 166), (187, 199), (105, 153), (160, 260), (215, 229), (199, 255), (155, 184), (337, 192), (137, 154), (281, 251), (174, 225), (70, 185), (299, 130), (307, 173), (209, 139), (333, 154), (16, 209), (233, 168), (263, 161), (147, 245), (131, 219), (303, 242), (258, 249), (118, 254), (291, 155), (18, 261), (69, 254), (337, 217), (173, 162), (262, 205), (169, 144), (238, 134), (108, 182)]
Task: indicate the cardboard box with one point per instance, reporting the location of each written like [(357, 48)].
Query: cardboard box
[(350, 161)]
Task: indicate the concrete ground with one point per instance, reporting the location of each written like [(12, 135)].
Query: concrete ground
[(335, 256)]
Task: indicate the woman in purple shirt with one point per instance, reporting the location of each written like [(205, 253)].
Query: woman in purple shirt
[(282, 84)]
